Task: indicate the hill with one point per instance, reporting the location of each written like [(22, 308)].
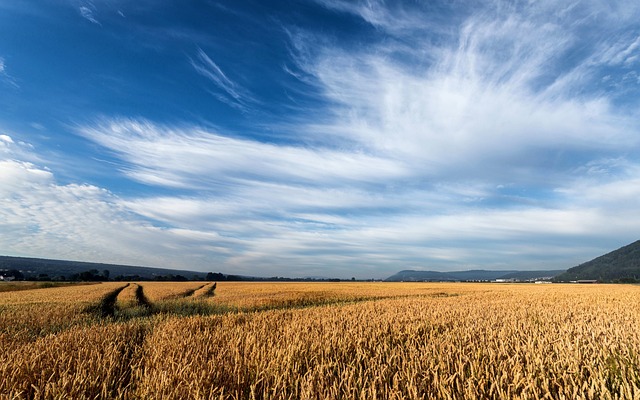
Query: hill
[(417, 276), (471, 275), (35, 268), (622, 265), (46, 269)]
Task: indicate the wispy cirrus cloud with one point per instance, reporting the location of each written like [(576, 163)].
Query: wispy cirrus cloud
[(396, 18), (88, 11), (231, 93), (4, 75), (494, 92), (310, 217), (195, 158), (625, 52)]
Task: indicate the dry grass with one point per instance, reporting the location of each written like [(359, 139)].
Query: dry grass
[(367, 341)]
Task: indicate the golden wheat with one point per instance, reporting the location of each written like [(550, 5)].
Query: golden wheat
[(28, 314), (127, 297), (363, 341), (249, 296), (156, 291), (80, 363)]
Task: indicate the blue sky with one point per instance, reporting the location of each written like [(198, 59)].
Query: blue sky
[(320, 137)]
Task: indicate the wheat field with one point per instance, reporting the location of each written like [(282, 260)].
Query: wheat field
[(191, 340)]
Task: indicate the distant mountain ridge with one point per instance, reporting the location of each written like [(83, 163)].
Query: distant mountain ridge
[(33, 267), (48, 269), (471, 275), (621, 265)]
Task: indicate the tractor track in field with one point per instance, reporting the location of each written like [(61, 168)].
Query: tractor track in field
[(207, 290), (185, 294), (172, 305), (107, 305), (141, 298)]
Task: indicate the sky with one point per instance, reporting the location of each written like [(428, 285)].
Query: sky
[(320, 138)]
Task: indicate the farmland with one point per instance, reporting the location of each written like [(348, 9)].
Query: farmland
[(163, 340)]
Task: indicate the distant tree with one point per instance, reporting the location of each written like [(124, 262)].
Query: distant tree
[(106, 274), (217, 276), (92, 275), (88, 276), (17, 275)]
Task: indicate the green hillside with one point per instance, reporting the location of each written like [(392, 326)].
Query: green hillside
[(622, 265)]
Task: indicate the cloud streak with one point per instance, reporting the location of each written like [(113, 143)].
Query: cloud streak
[(88, 11), (499, 90), (232, 94), (195, 158), (4, 75)]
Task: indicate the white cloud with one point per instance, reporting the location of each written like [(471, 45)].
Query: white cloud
[(625, 52), (194, 158), (42, 218), (298, 230), (211, 70), (18, 176), (397, 19), (88, 11), (11, 149), (233, 94), (5, 139), (4, 75), (495, 100)]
